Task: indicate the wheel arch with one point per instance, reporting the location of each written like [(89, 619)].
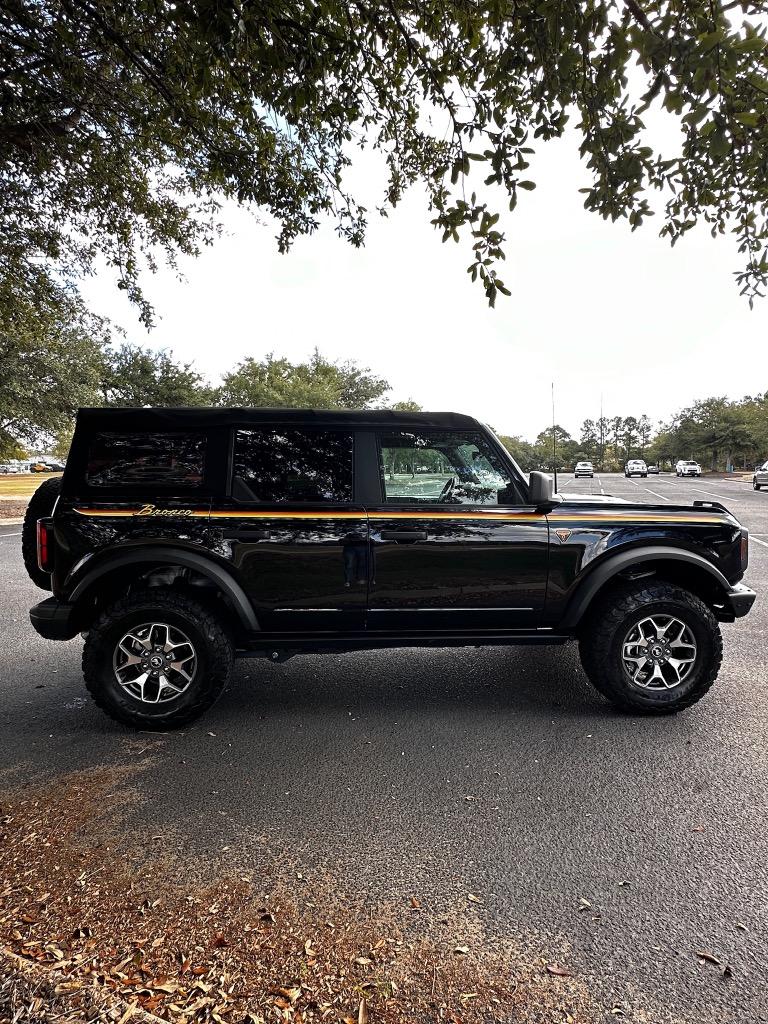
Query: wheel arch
[(675, 565), (127, 566)]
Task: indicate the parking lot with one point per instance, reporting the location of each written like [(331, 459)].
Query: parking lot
[(430, 774)]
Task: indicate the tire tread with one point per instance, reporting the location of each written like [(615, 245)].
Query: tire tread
[(219, 656), (610, 611)]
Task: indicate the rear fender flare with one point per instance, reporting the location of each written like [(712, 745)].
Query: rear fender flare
[(615, 564), (173, 556)]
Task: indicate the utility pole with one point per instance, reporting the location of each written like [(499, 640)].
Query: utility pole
[(554, 437), (602, 433)]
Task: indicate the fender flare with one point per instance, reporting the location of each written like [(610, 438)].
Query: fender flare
[(174, 556), (614, 564)]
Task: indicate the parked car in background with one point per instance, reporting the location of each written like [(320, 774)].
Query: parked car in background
[(584, 469), (6, 468), (653, 468), (635, 467), (760, 478), (687, 467)]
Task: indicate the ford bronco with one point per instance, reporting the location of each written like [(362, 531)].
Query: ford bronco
[(179, 539)]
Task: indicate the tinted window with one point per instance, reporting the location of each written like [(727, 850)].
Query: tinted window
[(116, 460), (443, 467), (293, 465)]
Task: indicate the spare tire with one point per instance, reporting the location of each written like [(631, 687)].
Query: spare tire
[(40, 505)]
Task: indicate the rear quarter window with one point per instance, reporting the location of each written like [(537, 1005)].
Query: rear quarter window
[(117, 460)]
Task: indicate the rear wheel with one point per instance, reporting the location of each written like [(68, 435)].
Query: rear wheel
[(651, 647), (755, 485), (40, 506), (157, 659)]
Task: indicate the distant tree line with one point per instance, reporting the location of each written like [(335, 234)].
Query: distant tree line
[(718, 433), (48, 374)]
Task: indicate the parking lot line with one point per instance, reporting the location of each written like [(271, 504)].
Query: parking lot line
[(724, 497), (9, 535), (655, 494), (761, 542)]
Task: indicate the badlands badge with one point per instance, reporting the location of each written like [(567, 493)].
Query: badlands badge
[(563, 535)]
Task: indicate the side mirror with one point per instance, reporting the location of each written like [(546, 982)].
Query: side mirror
[(542, 489)]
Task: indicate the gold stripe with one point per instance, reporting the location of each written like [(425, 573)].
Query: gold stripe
[(585, 520)]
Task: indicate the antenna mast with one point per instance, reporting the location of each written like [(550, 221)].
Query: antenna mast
[(554, 438)]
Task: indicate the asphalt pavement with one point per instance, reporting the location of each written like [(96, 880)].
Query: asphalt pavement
[(432, 773)]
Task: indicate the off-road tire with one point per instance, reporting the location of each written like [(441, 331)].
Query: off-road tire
[(211, 640), (608, 624), (40, 506)]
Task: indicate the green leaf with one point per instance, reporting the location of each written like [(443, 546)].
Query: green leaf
[(529, 186)]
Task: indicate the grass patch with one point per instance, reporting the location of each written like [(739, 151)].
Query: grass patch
[(22, 485)]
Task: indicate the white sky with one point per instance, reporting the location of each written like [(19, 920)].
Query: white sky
[(593, 307)]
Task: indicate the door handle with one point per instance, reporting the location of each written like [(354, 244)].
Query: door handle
[(401, 536), (246, 534)]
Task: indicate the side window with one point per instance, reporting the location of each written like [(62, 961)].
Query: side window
[(129, 460), (276, 465), (443, 467)]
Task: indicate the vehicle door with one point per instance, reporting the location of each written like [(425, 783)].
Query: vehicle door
[(454, 546), (296, 537)]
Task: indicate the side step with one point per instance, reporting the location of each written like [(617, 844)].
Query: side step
[(280, 648)]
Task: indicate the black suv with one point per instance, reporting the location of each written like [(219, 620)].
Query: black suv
[(179, 539)]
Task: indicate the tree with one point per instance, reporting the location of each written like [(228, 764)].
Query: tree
[(644, 433), (124, 126), (603, 432), (617, 428), (50, 355), (135, 376), (316, 384), (566, 447), (523, 452), (589, 439), (407, 406)]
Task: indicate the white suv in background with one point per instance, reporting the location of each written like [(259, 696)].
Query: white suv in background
[(686, 467), (584, 469), (635, 467), (760, 478)]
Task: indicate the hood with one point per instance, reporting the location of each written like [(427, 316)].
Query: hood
[(592, 499)]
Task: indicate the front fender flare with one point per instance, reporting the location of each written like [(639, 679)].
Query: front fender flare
[(615, 564), (173, 556)]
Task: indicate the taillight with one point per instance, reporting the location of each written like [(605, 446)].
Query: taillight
[(744, 549), (45, 544)]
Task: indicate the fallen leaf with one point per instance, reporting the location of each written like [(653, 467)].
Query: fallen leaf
[(709, 957), (474, 899), (584, 904), (461, 949), (559, 972), (415, 905), (624, 884), (292, 993), (362, 1012), (219, 942)]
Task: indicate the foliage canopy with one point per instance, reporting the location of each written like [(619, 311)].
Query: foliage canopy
[(123, 126)]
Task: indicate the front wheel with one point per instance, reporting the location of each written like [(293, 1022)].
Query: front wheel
[(755, 485), (651, 647), (157, 659)]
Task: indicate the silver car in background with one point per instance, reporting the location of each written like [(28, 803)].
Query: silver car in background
[(760, 477)]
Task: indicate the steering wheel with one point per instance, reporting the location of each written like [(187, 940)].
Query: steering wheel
[(447, 491)]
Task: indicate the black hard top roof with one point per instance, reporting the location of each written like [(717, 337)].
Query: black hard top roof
[(199, 418)]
